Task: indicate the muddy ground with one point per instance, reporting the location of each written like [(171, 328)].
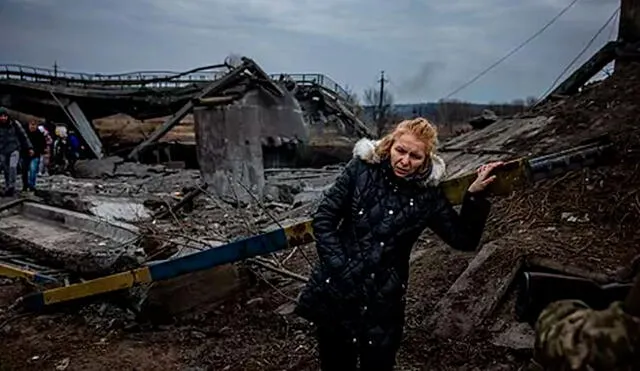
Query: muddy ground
[(245, 333)]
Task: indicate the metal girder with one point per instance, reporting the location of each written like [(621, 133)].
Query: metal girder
[(170, 122), (79, 121), (266, 243)]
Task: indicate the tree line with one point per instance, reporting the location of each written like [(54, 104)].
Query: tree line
[(450, 114)]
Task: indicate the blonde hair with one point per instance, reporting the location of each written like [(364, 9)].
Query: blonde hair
[(419, 127)]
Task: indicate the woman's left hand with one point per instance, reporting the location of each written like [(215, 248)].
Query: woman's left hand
[(483, 179)]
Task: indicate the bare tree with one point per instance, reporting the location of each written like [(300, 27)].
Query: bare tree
[(353, 100), (372, 98), (531, 101), (454, 112), (352, 96)]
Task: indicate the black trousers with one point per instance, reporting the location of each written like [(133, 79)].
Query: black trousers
[(339, 352)]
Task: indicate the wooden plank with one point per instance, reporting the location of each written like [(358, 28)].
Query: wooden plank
[(194, 290), (476, 293)]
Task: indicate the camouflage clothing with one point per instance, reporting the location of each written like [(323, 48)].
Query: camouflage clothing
[(571, 336)]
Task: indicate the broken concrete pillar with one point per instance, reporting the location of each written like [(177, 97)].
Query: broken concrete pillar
[(229, 141), (229, 151)]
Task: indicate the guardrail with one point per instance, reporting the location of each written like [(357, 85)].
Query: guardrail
[(318, 79), (145, 79), (140, 79)]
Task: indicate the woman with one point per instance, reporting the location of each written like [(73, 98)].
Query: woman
[(365, 228)]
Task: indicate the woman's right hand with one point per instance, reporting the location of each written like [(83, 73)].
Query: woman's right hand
[(483, 179)]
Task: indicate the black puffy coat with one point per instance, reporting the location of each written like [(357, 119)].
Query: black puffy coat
[(13, 138), (365, 228)]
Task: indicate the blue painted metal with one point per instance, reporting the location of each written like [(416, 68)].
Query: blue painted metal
[(229, 253), (43, 278)]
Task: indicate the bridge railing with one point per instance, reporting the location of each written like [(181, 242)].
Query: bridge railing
[(316, 78), (149, 79), (143, 79)]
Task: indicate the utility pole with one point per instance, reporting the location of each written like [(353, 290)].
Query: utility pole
[(380, 103), (629, 24), (55, 68), (628, 30)]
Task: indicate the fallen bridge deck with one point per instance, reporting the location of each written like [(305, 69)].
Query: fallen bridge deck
[(66, 240)]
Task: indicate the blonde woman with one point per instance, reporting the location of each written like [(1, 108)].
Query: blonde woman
[(365, 228)]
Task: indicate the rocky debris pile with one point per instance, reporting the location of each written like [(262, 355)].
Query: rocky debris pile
[(487, 118), (586, 217), (115, 166)]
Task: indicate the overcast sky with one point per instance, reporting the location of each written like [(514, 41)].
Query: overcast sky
[(427, 47)]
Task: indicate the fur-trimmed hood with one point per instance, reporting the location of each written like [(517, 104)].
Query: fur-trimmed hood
[(365, 150)]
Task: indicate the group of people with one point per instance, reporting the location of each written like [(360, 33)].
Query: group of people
[(35, 149), (365, 227)]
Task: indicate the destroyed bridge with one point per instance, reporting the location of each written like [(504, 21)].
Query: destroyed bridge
[(79, 98)]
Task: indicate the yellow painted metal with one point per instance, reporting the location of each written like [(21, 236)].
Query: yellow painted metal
[(100, 285), (299, 234), (510, 176), (13, 272)]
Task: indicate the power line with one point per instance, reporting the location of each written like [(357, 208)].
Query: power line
[(496, 63), (613, 25), (584, 50)]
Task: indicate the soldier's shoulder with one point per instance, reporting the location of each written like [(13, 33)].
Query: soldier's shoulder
[(569, 333)]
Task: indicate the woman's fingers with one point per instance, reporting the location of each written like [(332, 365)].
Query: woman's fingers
[(489, 180), (485, 169)]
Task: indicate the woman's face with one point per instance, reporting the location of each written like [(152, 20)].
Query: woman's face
[(407, 155)]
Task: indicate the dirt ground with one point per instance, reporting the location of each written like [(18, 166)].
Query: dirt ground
[(245, 333), (585, 219)]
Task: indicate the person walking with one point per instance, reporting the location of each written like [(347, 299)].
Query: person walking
[(365, 228), (31, 163), (45, 158), (13, 140)]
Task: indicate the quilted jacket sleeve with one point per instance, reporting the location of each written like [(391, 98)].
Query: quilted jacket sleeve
[(460, 231), (328, 216), (25, 143)]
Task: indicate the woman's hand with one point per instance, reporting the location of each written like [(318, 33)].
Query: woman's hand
[(483, 179)]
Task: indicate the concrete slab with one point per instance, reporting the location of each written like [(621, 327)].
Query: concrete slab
[(72, 241), (476, 293), (115, 209)]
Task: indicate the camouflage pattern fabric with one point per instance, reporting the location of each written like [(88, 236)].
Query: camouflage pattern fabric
[(571, 336)]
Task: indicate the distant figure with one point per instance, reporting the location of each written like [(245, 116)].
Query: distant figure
[(13, 140), (31, 163), (74, 150), (60, 150), (45, 158)]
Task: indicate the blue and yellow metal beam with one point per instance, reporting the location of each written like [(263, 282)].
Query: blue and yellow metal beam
[(295, 235), (11, 271)]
